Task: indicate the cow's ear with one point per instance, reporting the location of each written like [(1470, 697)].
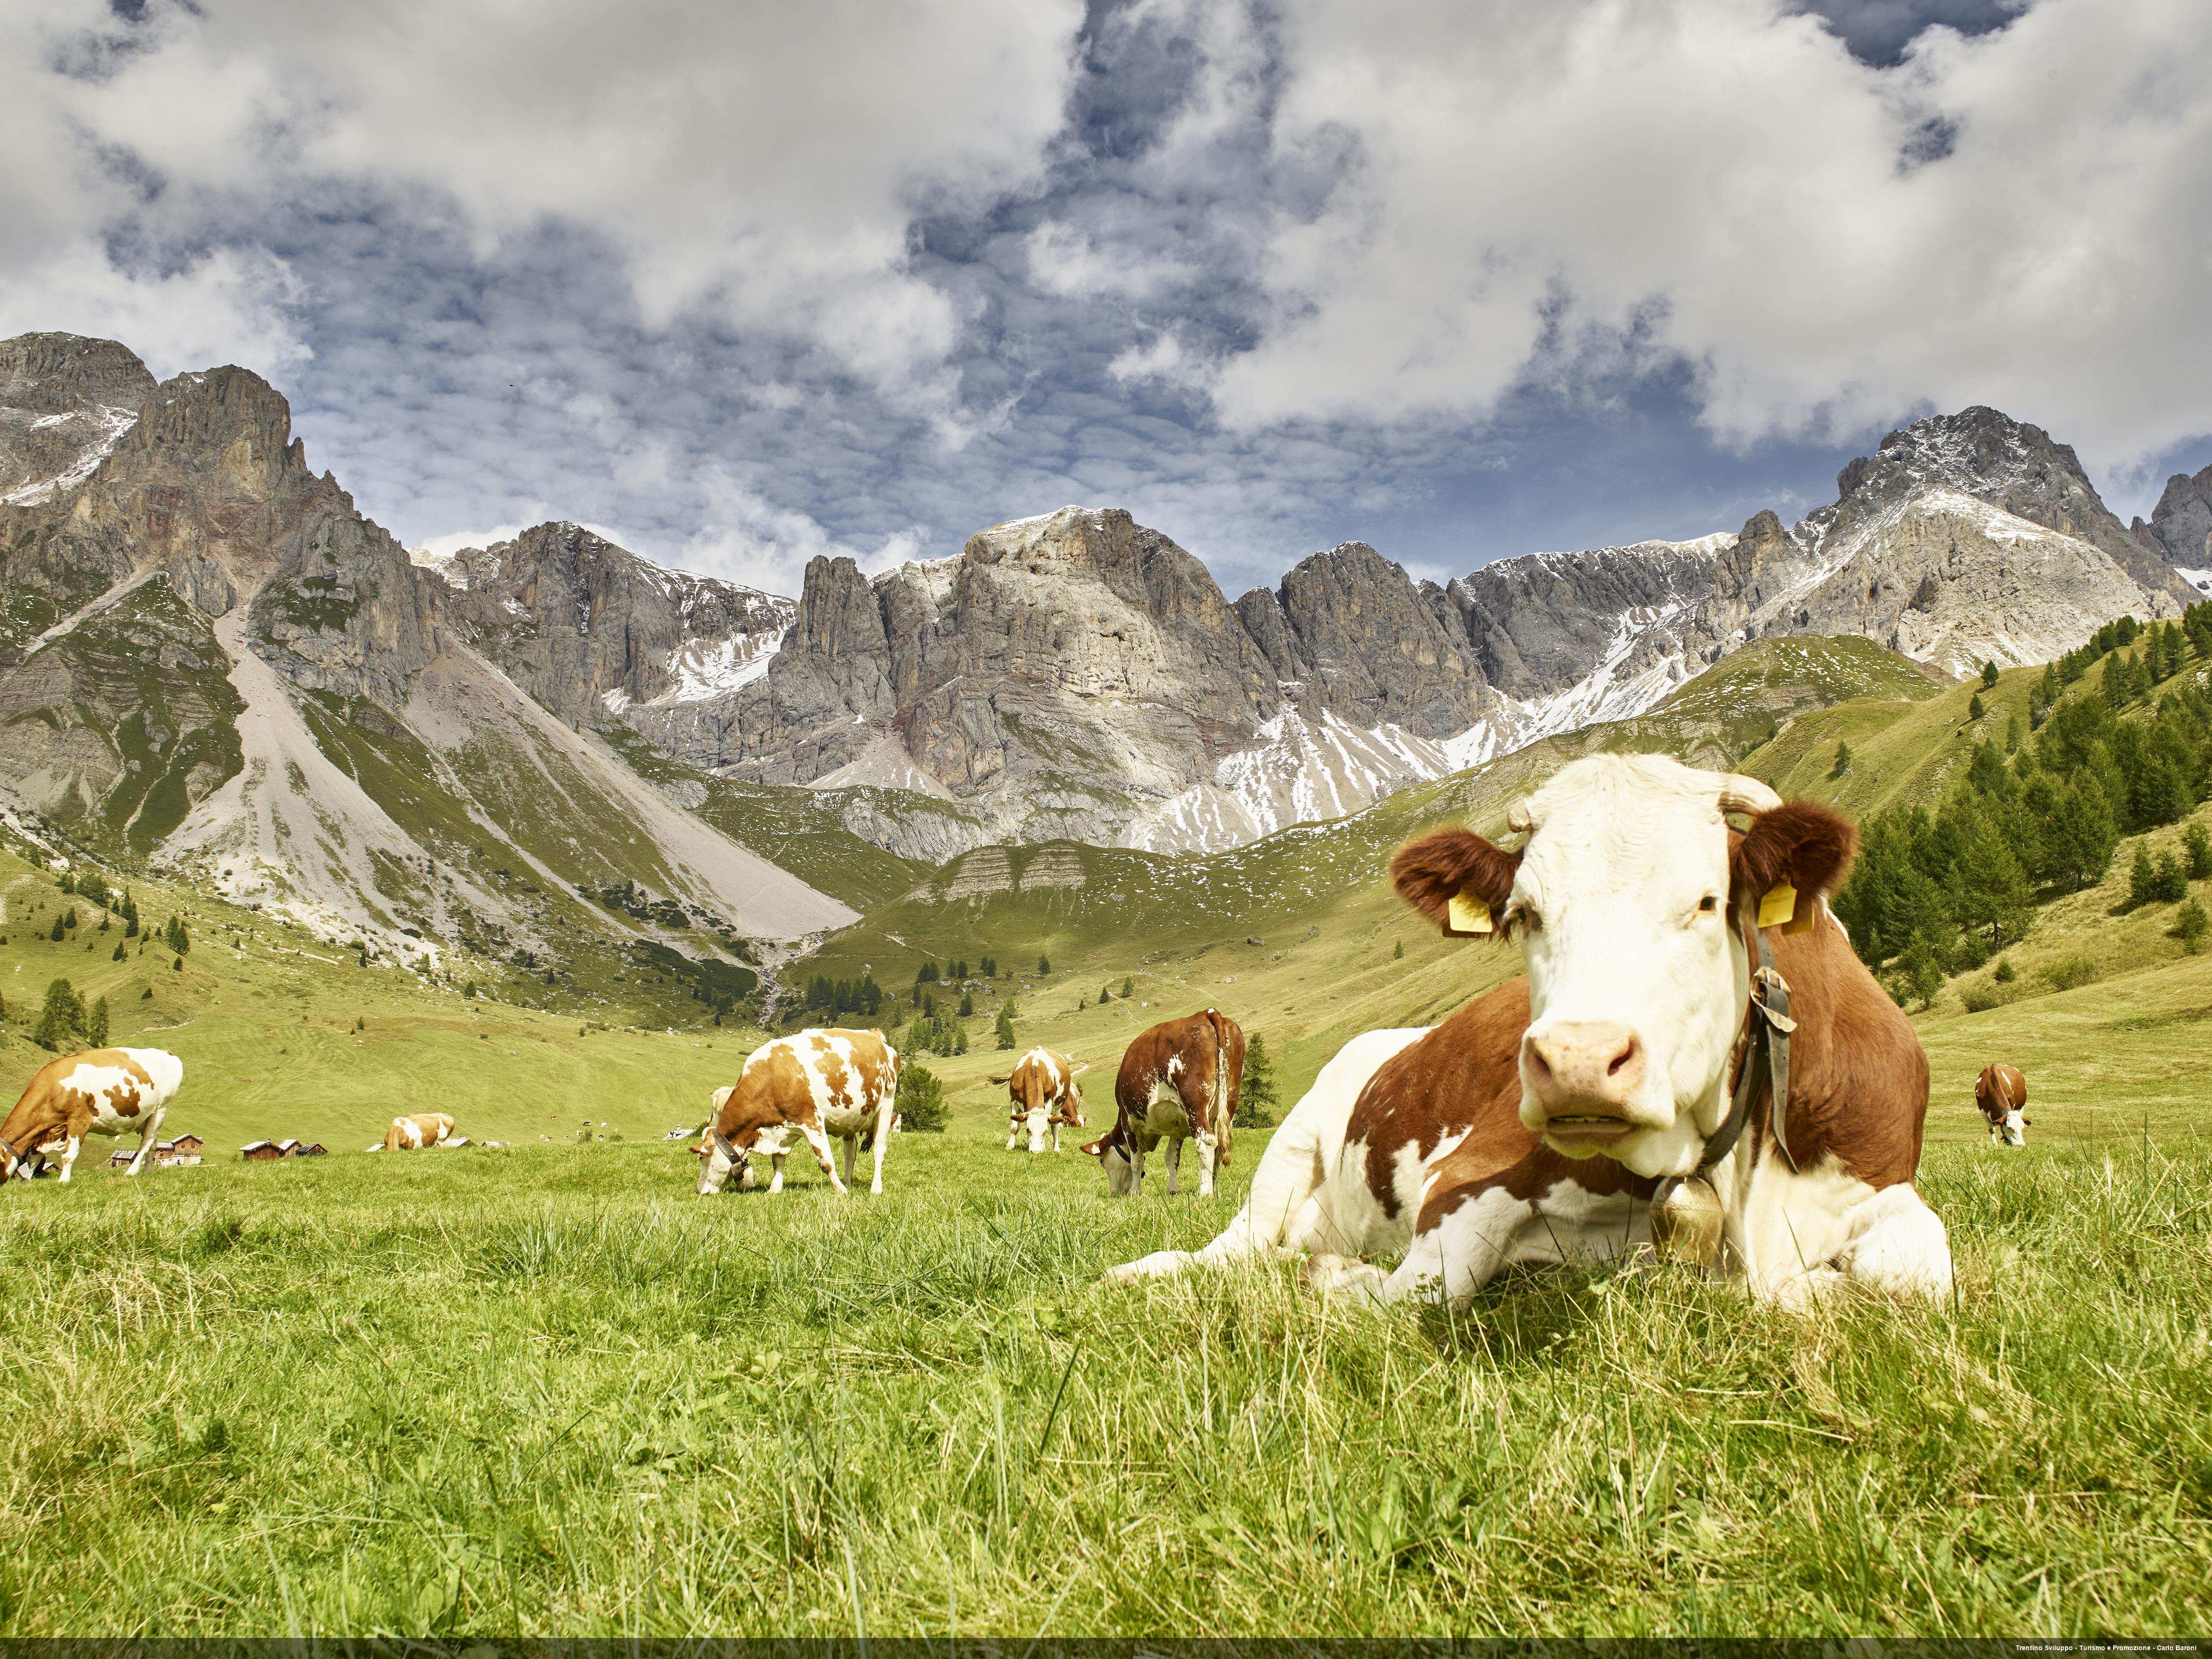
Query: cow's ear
[(1798, 844), (1430, 872)]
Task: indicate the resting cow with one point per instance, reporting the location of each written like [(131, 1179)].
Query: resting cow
[(1178, 1081), (1042, 1095), (412, 1133), (2001, 1093), (810, 1086), (102, 1091), (1540, 1123)]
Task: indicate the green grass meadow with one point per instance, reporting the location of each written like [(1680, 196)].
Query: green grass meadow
[(544, 1390), (550, 1391)]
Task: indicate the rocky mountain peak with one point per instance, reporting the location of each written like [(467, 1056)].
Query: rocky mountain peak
[(2180, 528), (591, 629), (64, 400), (2011, 465)]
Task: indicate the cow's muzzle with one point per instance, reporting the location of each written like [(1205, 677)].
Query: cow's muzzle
[(1582, 1078)]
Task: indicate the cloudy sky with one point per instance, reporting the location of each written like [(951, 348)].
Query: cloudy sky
[(737, 284)]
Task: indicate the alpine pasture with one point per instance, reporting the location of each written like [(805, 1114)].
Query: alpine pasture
[(543, 1388)]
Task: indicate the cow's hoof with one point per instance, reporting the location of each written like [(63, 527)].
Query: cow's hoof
[(1158, 1264), (1338, 1276)]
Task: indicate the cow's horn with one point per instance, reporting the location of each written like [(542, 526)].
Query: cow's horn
[(1518, 818), (1741, 794)]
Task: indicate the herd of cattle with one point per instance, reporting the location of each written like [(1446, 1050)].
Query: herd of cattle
[(1695, 1061)]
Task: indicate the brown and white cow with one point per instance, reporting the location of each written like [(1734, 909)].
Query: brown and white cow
[(418, 1131), (102, 1091), (1537, 1123), (809, 1086), (2001, 1094), (1178, 1081), (1042, 1095)]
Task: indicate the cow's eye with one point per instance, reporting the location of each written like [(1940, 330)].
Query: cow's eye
[(1524, 918), (1709, 904)]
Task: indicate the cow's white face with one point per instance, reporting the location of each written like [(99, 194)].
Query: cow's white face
[(1628, 902), (1636, 974), (1038, 1118)]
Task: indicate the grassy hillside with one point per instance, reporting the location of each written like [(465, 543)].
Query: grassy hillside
[(281, 1036), (549, 1392)]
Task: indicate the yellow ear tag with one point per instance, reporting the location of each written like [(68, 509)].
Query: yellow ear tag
[(1467, 914), (1779, 905)]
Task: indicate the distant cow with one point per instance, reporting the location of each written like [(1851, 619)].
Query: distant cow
[(1042, 1095), (424, 1129), (1178, 1081), (2001, 1093), (1632, 1073), (102, 1091), (808, 1086)]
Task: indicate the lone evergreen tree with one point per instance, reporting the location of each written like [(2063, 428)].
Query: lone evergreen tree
[(2190, 926), (1044, 966), (1989, 674), (2142, 879), (1005, 1028), (1255, 1094), (1974, 709), (2198, 845), (1128, 984), (920, 1102), (96, 1024), (61, 1017), (1398, 953)]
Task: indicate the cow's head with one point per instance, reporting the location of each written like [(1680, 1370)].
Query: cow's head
[(1123, 1173), (720, 1151), (1630, 897)]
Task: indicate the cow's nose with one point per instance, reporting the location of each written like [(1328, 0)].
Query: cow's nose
[(1585, 1067)]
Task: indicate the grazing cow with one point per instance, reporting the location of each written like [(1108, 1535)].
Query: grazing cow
[(411, 1134), (810, 1085), (2002, 1094), (102, 1091), (1178, 1081), (1043, 1095), (1632, 1073)]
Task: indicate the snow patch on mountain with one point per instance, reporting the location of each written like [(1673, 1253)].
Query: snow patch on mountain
[(704, 668), (113, 423)]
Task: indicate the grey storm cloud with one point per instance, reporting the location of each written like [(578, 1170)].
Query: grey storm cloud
[(742, 285)]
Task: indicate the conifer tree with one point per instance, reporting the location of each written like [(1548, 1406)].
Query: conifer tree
[(1843, 760), (2191, 924), (2142, 879), (1989, 674), (1005, 1028), (96, 1024), (2197, 843), (1255, 1092)]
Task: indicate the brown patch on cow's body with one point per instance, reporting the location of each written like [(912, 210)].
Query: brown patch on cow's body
[(1030, 1088), (49, 1109), (430, 1128), (1185, 1053), (1859, 1088), (1998, 1090), (767, 1097)]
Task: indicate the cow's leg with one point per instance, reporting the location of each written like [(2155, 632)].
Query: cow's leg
[(775, 1179), (1013, 1134), (1208, 1151), (817, 1138), (1056, 1137), (1902, 1248), (68, 1154), (851, 1148), (146, 1138), (884, 1117), (1173, 1158)]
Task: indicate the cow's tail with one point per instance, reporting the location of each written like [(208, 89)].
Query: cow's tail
[(1217, 1108)]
